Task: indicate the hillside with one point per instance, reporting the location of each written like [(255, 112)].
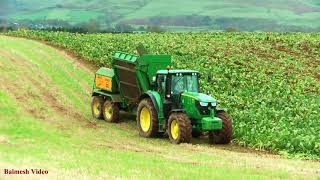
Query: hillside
[(245, 15), (46, 123)]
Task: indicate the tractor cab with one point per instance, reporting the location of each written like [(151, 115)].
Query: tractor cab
[(178, 88), (175, 82)]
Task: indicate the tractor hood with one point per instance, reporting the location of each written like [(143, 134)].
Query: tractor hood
[(200, 97)]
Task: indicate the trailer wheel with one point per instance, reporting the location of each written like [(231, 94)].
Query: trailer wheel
[(111, 112), (224, 135), (96, 107), (179, 128), (147, 119)]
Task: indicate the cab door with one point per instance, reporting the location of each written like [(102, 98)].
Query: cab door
[(163, 88)]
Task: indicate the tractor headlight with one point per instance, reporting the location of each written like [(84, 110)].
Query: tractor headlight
[(203, 107), (213, 104), (204, 104)]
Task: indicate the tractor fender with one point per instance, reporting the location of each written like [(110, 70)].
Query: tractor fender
[(155, 98), (158, 104), (114, 97), (220, 110), (176, 110)]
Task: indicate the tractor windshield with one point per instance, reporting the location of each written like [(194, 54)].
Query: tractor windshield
[(184, 82)]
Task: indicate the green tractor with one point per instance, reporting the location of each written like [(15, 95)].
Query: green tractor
[(165, 100)]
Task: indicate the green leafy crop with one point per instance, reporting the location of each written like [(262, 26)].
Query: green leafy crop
[(268, 82)]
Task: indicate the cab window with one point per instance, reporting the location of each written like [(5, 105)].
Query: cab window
[(184, 82)]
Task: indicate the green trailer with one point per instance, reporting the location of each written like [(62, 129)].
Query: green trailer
[(164, 100)]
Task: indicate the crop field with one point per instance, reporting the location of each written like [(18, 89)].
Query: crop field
[(45, 122), (268, 82)]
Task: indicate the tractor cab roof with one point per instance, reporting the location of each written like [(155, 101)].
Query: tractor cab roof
[(176, 71)]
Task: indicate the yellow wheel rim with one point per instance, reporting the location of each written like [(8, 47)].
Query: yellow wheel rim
[(96, 107), (108, 110), (174, 129), (145, 119)]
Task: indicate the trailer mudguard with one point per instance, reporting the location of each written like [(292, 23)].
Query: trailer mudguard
[(113, 97)]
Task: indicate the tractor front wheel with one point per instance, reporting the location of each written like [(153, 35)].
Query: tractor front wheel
[(179, 128), (224, 135), (111, 111), (147, 119), (96, 107)]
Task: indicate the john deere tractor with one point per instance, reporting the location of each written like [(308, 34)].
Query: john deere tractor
[(164, 100)]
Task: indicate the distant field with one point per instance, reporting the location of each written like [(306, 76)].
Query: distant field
[(248, 15), (286, 12), (72, 16)]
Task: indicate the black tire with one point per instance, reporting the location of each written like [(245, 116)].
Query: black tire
[(153, 128), (224, 135), (184, 128), (196, 133), (96, 107), (112, 116)]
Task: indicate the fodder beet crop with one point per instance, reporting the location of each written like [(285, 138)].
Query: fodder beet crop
[(268, 82)]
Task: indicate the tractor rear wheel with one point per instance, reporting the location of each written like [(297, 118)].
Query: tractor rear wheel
[(224, 135), (96, 107), (147, 119), (179, 128), (111, 111)]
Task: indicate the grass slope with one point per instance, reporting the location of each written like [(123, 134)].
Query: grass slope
[(46, 123)]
